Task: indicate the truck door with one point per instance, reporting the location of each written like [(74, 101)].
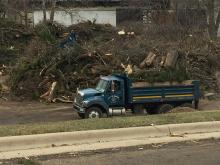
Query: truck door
[(115, 94)]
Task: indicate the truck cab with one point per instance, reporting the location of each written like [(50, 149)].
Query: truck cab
[(106, 96)]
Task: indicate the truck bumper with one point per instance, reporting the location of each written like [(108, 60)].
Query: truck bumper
[(78, 108)]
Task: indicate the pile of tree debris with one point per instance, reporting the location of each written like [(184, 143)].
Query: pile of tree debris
[(47, 71)]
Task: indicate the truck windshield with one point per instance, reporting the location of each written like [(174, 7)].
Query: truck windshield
[(102, 85)]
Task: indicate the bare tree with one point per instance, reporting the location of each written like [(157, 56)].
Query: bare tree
[(52, 10), (213, 13), (17, 10), (213, 24), (44, 10)]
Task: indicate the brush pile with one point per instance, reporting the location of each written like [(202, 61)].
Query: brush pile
[(47, 71)]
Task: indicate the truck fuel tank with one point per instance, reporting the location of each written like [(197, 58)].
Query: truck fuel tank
[(117, 111)]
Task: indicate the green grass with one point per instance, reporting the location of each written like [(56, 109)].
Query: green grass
[(27, 162), (108, 123)]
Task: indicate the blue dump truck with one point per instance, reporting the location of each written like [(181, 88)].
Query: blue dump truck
[(116, 94)]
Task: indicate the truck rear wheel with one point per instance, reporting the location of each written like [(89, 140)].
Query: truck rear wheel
[(93, 112), (165, 108)]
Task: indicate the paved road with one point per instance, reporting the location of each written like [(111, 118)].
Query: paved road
[(190, 153)]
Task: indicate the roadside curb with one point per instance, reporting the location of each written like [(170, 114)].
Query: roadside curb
[(109, 145), (14, 143)]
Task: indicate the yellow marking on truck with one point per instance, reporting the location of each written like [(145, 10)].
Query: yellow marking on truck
[(184, 95), (158, 97), (147, 97)]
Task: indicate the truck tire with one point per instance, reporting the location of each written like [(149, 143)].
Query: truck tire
[(138, 109), (81, 115), (164, 108), (93, 112)]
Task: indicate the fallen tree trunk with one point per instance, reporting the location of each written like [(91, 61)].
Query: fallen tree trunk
[(148, 61), (171, 59), (52, 91), (49, 95)]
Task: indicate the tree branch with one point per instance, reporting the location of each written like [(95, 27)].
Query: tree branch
[(218, 20)]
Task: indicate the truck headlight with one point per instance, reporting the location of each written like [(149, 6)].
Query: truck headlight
[(85, 103)]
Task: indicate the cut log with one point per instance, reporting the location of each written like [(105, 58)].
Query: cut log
[(52, 91), (122, 32), (128, 69), (162, 61), (49, 95), (171, 59), (148, 61)]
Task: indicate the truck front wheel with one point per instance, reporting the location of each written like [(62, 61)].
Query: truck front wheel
[(93, 112), (81, 115)]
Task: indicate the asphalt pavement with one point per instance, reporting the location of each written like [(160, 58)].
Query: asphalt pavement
[(186, 153), (205, 152)]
